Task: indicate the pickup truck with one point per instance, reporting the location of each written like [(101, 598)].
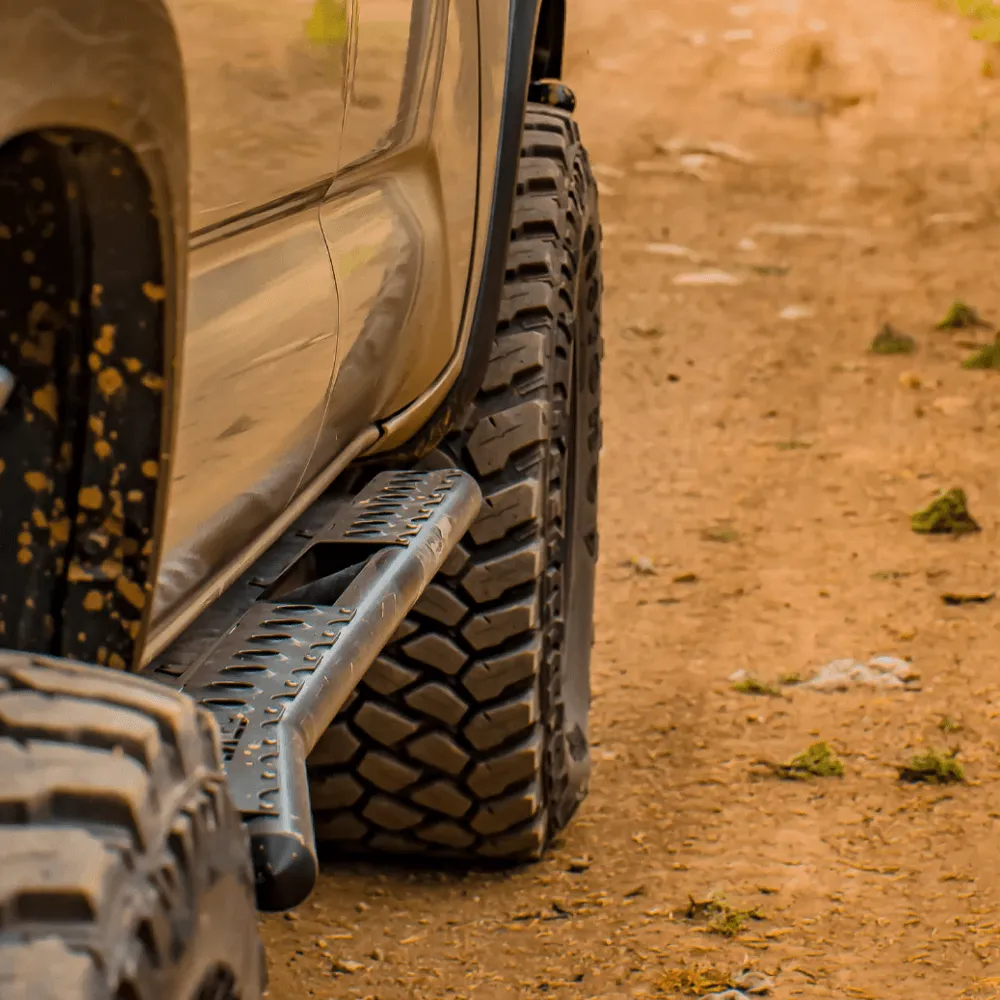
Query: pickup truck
[(300, 355)]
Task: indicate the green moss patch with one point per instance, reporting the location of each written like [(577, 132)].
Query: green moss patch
[(985, 359), (889, 340), (722, 918), (755, 686), (961, 316), (947, 514), (933, 767), (819, 761)]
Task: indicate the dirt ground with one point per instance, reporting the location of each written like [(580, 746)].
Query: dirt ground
[(755, 449)]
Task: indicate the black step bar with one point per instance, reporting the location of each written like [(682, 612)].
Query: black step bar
[(279, 674)]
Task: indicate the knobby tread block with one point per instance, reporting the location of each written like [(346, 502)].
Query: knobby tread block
[(459, 738), (118, 841)]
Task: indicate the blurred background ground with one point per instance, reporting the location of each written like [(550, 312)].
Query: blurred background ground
[(760, 468)]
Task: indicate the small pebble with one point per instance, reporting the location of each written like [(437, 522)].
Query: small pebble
[(796, 312), (346, 966), (754, 983), (708, 278)]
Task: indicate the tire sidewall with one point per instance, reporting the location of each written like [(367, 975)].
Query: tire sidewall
[(570, 580)]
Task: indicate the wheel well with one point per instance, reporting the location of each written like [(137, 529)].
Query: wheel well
[(546, 62), (82, 331)]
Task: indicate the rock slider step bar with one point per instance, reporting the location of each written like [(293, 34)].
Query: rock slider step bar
[(275, 681)]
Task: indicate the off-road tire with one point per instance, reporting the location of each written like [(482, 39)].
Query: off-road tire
[(124, 868), (468, 737)]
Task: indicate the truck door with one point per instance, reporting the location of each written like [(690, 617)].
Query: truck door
[(399, 219), (265, 85)]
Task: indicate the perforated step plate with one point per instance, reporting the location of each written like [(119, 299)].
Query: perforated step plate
[(277, 677)]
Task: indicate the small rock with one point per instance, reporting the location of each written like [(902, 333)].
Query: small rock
[(910, 380), (798, 229), (345, 966), (709, 147), (951, 219), (676, 251), (712, 277), (644, 566), (579, 865), (886, 673), (754, 983), (882, 672), (645, 332), (695, 165), (796, 312), (747, 245), (956, 600), (895, 665)]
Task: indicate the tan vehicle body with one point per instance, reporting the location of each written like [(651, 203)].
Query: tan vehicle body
[(322, 175), (300, 371)]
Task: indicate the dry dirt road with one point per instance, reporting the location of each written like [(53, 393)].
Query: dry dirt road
[(757, 451)]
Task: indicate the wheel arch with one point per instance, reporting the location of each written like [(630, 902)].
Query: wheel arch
[(112, 68), (97, 92)]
